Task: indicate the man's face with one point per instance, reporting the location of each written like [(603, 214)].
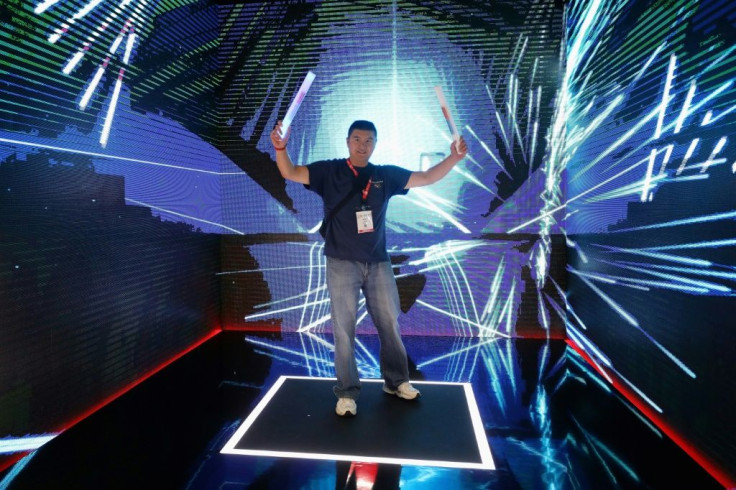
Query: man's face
[(361, 144)]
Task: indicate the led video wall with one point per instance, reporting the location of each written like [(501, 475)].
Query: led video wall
[(650, 206), (462, 267), (141, 207), (107, 252)]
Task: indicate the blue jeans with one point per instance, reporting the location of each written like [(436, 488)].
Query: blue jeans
[(345, 280)]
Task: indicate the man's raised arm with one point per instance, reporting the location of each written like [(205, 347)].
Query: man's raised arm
[(432, 175), (288, 170)]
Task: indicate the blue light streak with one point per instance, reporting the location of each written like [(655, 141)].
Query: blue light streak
[(593, 375), (649, 61), (279, 348), (282, 310), (16, 470), (168, 211), (665, 95), (657, 255), (680, 222), (631, 320), (709, 286), (472, 348), (729, 242), (10, 445), (482, 328), (700, 272), (267, 269), (597, 446), (711, 158), (685, 107), (43, 6), (642, 284), (641, 394), (615, 306), (709, 119), (590, 348), (113, 157)]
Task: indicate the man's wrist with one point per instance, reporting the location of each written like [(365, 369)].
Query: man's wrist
[(279, 149)]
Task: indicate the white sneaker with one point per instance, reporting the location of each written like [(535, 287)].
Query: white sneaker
[(405, 391), (346, 406)]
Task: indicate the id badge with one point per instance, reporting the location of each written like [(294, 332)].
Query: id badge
[(365, 221)]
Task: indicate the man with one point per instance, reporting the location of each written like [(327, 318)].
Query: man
[(355, 246)]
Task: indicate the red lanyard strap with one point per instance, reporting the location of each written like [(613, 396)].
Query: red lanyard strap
[(367, 189)]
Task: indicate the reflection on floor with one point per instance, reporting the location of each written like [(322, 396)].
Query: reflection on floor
[(550, 422)]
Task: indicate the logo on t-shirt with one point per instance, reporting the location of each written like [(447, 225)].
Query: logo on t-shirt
[(377, 184)]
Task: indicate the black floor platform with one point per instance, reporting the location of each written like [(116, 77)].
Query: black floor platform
[(297, 418)]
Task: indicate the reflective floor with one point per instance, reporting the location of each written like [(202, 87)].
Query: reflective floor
[(550, 422)]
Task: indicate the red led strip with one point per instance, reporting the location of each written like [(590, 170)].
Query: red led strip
[(708, 465), (14, 458)]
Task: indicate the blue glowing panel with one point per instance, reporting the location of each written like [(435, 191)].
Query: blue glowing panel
[(649, 161), (93, 83), (110, 204)]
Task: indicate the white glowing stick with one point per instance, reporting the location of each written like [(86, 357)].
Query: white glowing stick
[(446, 112), (291, 113)]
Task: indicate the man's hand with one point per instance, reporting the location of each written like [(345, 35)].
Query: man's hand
[(459, 149), (283, 162), (276, 140)]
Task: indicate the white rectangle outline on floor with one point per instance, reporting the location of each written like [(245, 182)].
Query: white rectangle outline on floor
[(480, 434)]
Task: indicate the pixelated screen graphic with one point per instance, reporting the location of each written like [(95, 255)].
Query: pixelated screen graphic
[(461, 269), (649, 164), (178, 99), (108, 251)]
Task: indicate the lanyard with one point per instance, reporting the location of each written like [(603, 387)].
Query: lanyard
[(367, 186)]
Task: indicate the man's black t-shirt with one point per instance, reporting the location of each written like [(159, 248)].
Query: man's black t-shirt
[(333, 180)]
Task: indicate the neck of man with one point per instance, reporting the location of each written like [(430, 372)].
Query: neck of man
[(358, 162)]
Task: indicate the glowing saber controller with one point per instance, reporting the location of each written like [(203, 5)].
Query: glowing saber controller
[(291, 113), (447, 114)]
